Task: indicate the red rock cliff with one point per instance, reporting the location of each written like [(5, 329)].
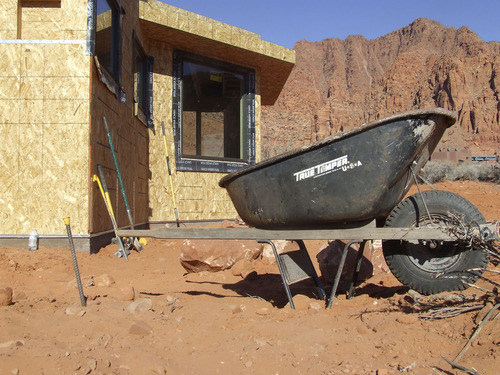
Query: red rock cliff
[(339, 84)]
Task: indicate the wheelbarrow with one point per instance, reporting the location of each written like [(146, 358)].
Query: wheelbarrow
[(351, 186), (360, 176)]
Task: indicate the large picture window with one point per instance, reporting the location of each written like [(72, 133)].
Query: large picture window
[(213, 114)]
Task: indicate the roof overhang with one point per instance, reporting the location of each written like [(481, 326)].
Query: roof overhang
[(201, 35)]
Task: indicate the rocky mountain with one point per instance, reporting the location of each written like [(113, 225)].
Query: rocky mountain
[(339, 84)]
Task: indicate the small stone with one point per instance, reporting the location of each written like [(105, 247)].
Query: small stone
[(172, 299), (72, 310), (314, 306), (362, 330), (103, 280), (235, 309), (382, 371), (92, 364), (301, 302), (140, 305), (242, 268), (263, 311), (140, 328), (5, 296), (18, 295), (12, 343), (125, 293)]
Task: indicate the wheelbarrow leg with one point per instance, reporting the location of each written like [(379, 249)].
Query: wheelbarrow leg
[(312, 271), (339, 272), (355, 275), (282, 271)]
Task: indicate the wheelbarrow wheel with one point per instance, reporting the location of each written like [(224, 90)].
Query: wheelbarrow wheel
[(434, 266)]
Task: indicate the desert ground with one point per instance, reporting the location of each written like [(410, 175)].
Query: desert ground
[(148, 315)]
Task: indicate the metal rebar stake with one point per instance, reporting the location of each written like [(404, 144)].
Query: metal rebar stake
[(83, 299)]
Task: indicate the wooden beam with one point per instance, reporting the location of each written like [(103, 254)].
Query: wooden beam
[(365, 233)]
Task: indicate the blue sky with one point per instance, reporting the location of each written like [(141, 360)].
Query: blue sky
[(287, 21)]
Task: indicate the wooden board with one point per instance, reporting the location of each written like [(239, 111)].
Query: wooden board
[(364, 233)]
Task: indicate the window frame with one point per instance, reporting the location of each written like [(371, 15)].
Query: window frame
[(205, 163), (111, 78)]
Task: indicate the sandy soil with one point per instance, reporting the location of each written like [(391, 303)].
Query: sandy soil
[(219, 323)]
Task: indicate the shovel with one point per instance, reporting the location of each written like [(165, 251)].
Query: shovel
[(135, 241)]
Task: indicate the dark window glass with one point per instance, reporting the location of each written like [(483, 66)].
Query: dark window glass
[(143, 83), (107, 36), (214, 116), (140, 77)]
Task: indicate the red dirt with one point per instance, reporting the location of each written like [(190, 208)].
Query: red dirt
[(218, 323)]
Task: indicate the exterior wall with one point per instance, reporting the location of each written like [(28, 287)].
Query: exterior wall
[(52, 103), (44, 112), (130, 139)]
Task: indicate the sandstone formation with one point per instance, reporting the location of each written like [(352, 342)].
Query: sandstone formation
[(339, 84)]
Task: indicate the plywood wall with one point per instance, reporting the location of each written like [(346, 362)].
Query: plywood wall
[(44, 112), (130, 138)]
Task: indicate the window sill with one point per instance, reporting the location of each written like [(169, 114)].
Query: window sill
[(109, 81), (140, 114), (208, 166)]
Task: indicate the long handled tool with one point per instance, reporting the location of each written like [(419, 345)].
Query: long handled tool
[(135, 241), (170, 173), (107, 201)]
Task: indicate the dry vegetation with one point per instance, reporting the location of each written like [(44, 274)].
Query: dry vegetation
[(435, 171)]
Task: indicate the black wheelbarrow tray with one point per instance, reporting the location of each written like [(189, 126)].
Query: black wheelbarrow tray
[(344, 180), (351, 186)]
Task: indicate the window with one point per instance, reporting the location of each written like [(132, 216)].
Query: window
[(213, 114), (34, 16), (143, 83), (107, 38), (104, 41)]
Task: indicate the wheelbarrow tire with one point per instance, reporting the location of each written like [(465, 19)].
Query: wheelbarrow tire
[(428, 267)]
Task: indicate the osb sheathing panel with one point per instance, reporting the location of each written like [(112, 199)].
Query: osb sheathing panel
[(197, 195), (8, 19), (44, 133), (127, 143)]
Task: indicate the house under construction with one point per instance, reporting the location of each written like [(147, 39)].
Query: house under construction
[(69, 64)]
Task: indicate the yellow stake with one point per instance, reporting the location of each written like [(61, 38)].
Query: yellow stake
[(170, 173)]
